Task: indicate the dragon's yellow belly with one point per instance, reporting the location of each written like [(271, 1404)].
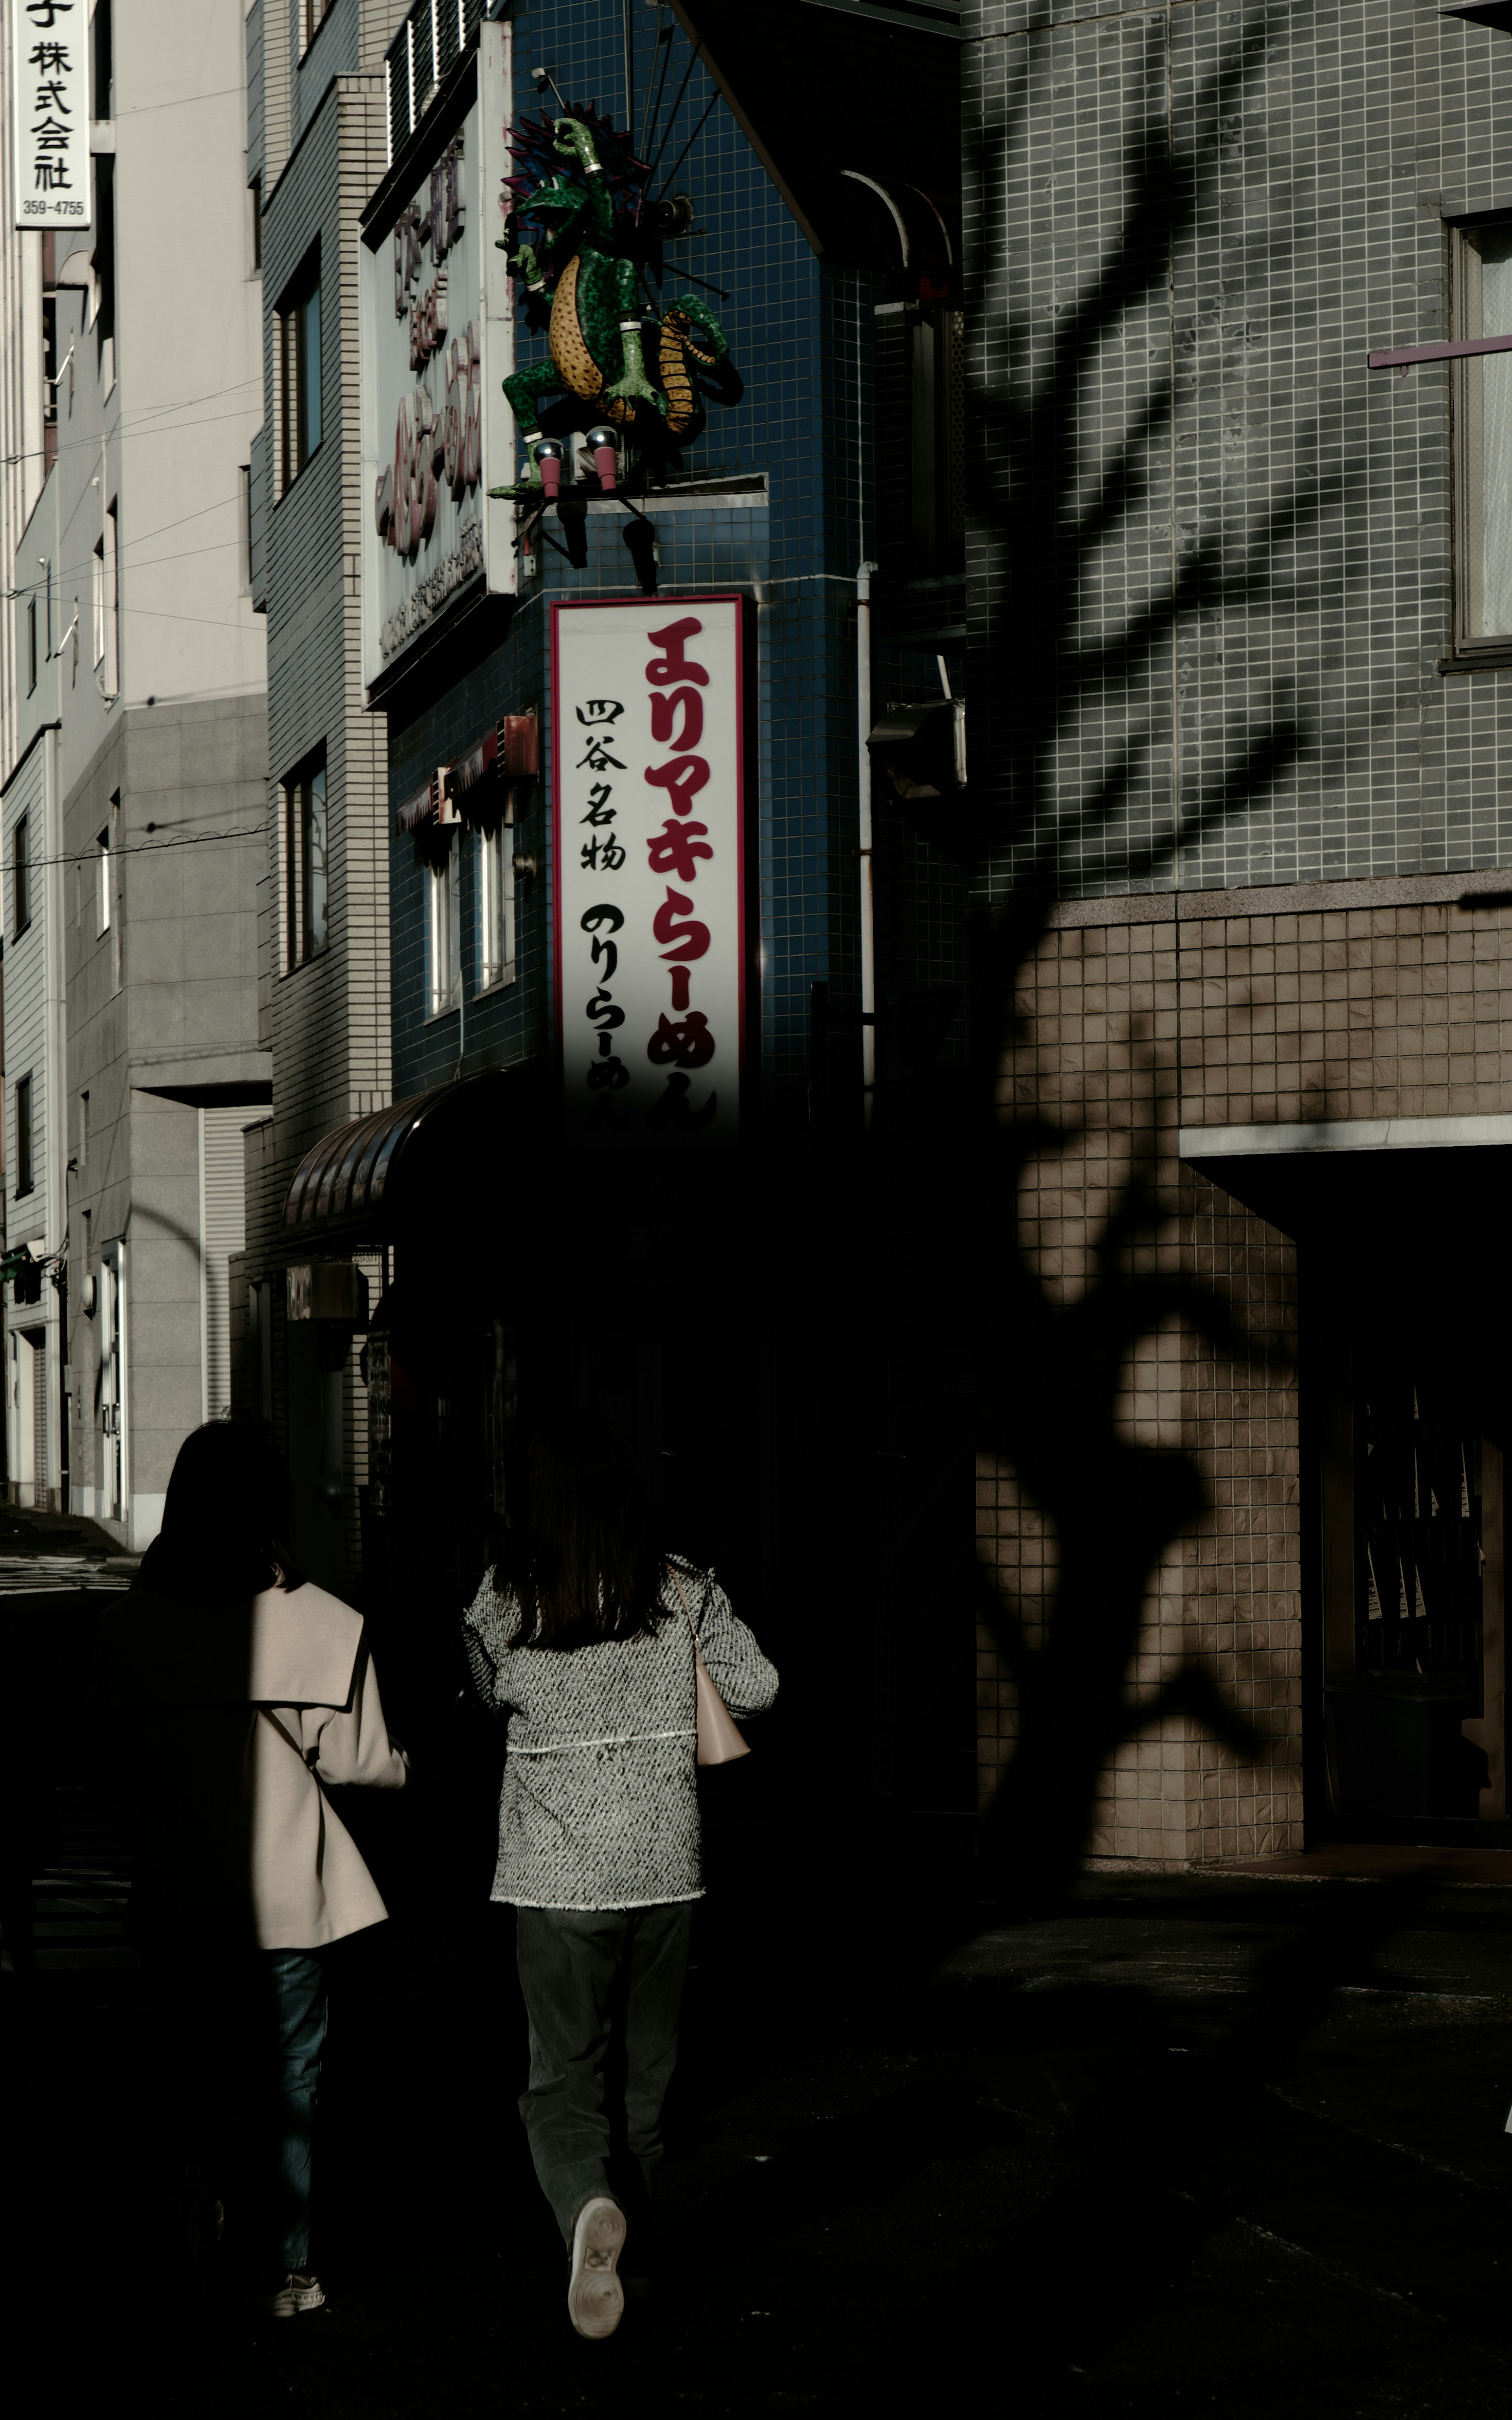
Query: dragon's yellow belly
[(569, 347), (682, 403)]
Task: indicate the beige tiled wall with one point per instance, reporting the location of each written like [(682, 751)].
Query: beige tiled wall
[(1103, 1011)]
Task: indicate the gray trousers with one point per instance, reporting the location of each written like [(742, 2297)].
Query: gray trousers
[(602, 1991)]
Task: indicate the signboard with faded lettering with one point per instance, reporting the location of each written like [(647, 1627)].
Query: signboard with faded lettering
[(437, 339), (649, 730), (50, 112)]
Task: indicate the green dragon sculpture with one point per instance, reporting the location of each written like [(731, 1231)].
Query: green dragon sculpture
[(585, 269)]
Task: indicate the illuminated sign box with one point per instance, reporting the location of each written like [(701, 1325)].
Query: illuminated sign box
[(438, 341), (654, 814)]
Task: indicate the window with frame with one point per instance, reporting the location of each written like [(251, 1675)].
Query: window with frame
[(443, 934), (299, 321), (25, 1177), (496, 906), (20, 858), (107, 607), (306, 882), (1482, 419), (30, 644), (314, 14), (254, 203), (102, 855)]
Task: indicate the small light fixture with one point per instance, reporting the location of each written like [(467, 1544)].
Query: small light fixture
[(601, 444), (549, 455)]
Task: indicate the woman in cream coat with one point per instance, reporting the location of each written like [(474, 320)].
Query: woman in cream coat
[(244, 1872)]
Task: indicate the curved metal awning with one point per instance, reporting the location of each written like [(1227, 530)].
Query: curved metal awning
[(367, 1179)]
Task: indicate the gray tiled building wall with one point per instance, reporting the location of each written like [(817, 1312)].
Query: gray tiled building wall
[(327, 1023), (1322, 148), (1249, 546)]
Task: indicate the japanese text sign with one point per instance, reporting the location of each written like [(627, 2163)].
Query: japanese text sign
[(50, 112), (438, 332), (649, 799)]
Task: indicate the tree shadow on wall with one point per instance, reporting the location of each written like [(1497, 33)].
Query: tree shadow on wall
[(1104, 558), (1076, 712)]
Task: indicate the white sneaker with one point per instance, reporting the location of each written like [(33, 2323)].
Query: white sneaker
[(595, 2298), (297, 2293)]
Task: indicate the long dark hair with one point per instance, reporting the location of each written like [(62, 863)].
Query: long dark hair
[(228, 1517), (585, 1569)]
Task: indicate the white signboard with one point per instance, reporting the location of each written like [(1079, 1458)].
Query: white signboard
[(437, 333), (649, 737), (50, 111)]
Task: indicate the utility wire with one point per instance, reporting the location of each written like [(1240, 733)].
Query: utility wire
[(75, 444), (676, 105), (143, 847), (685, 150)]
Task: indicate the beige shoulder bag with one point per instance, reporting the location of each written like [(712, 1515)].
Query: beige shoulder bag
[(719, 1740)]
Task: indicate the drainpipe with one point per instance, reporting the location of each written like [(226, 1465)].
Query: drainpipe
[(863, 782)]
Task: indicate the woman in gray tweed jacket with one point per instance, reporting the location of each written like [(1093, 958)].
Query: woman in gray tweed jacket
[(581, 1638)]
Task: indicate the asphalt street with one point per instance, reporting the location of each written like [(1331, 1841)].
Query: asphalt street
[(1212, 2143)]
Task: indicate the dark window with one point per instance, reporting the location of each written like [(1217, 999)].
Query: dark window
[(300, 332), (21, 846), (921, 450), (105, 247), (315, 13), (103, 78), (24, 1136), (50, 381), (246, 525), (30, 644), (257, 192), (305, 868), (1483, 436)]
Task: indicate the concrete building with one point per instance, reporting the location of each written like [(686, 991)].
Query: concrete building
[(316, 141), (1245, 599), (679, 1288), (134, 754)]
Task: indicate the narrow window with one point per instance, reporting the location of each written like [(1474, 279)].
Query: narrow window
[(50, 381), (255, 196), (307, 884), (31, 646), (99, 571), (443, 973), (102, 853), (84, 1131), (315, 13), (117, 936), (21, 846), (300, 345), (110, 655), (24, 1136), (1483, 434), (102, 81), (496, 906), (246, 527)]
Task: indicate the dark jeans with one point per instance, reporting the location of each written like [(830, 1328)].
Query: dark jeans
[(251, 2081), (603, 1992)]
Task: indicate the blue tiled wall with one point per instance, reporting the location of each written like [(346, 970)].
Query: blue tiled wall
[(800, 336)]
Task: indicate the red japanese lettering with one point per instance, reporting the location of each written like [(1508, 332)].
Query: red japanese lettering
[(673, 666), (674, 849), (664, 708), (692, 938), (682, 780)]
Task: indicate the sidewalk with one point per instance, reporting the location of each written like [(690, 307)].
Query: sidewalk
[(1228, 2143)]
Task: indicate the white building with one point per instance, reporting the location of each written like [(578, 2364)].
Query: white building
[(133, 765)]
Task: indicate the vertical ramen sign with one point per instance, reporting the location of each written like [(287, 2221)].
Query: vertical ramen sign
[(649, 739)]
